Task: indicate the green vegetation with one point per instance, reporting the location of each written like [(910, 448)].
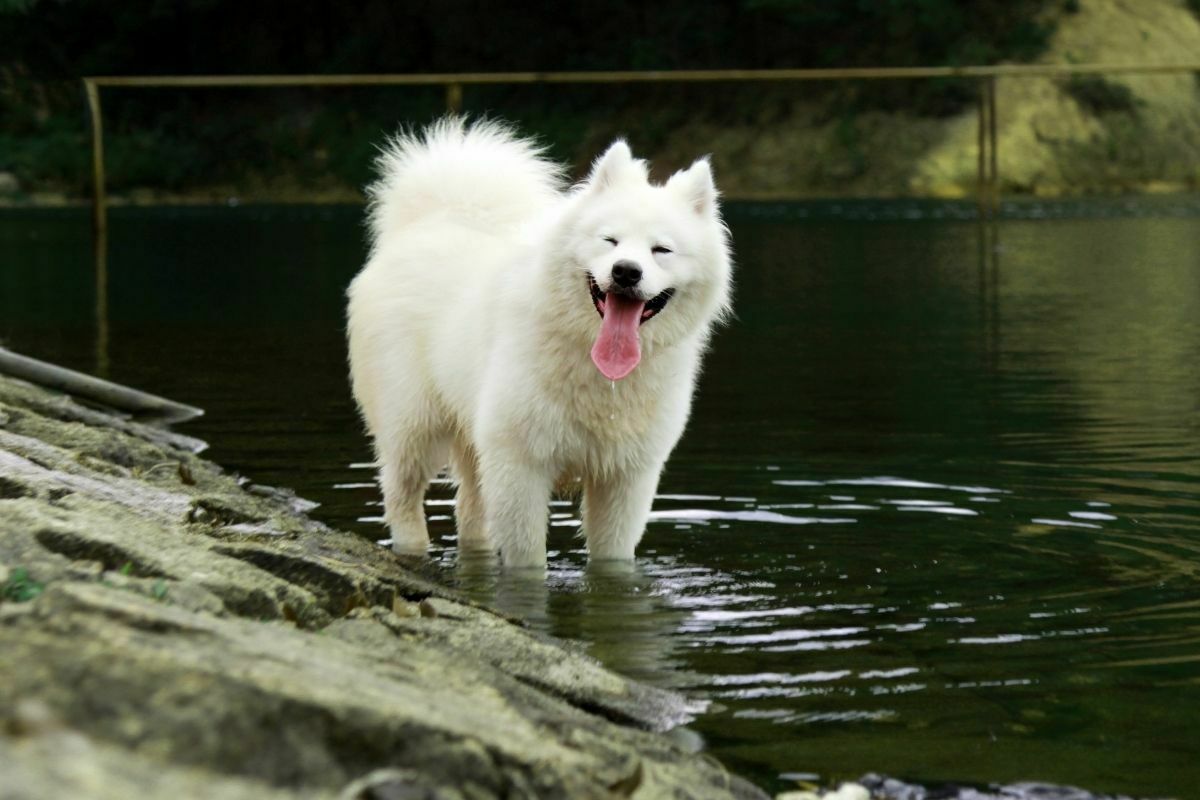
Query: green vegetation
[(20, 587), (324, 139)]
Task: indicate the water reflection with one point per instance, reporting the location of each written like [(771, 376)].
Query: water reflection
[(616, 609), (937, 513)]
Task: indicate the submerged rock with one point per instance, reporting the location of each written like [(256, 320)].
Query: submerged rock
[(175, 633), (885, 788), (9, 185)]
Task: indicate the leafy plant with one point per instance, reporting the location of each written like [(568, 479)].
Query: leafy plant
[(20, 587)]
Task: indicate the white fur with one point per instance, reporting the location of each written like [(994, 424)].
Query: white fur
[(471, 324)]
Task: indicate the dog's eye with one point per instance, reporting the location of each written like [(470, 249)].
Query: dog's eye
[(658, 248), (611, 240)]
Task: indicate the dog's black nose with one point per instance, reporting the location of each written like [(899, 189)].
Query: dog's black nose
[(626, 274)]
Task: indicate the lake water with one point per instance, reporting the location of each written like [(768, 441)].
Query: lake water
[(937, 513)]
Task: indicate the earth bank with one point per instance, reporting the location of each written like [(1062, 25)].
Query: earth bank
[(1095, 134), (1107, 133)]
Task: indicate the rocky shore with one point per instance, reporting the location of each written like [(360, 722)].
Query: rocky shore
[(169, 629)]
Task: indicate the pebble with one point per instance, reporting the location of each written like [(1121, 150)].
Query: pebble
[(847, 791), (31, 717), (85, 569), (403, 608), (687, 739)]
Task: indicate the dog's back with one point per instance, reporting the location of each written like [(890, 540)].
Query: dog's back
[(448, 206)]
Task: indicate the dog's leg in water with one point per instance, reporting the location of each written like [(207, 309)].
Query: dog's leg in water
[(404, 473), (469, 518), (516, 498), (614, 512)]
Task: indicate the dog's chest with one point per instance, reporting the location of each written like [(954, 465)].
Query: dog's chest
[(616, 419)]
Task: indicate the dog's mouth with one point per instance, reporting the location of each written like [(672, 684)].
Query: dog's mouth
[(618, 347), (651, 308)]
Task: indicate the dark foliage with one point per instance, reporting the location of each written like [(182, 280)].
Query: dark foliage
[(46, 45), (1101, 96), (57, 39)]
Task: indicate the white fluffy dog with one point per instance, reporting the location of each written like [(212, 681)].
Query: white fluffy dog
[(488, 287)]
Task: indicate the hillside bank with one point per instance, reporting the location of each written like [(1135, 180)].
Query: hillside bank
[(1063, 136), (1060, 136)]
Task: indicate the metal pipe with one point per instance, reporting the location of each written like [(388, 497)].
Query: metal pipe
[(662, 76), (454, 97), (99, 224), (99, 198), (113, 395)]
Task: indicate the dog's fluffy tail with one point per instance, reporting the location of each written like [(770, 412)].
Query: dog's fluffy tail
[(480, 172)]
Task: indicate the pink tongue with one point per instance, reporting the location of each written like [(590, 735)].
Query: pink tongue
[(617, 349)]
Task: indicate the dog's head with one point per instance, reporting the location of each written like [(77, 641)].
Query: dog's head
[(654, 258)]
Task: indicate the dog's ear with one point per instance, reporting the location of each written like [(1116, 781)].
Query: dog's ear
[(696, 185), (607, 168)]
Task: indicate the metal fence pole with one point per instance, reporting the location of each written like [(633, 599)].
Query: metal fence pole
[(454, 97), (987, 148), (99, 225), (981, 151), (99, 200), (993, 150)]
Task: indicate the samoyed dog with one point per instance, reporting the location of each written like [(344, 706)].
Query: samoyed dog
[(530, 334)]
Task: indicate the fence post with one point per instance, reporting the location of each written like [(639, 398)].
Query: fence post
[(981, 150), (454, 98), (99, 200), (987, 149), (99, 224), (993, 151)]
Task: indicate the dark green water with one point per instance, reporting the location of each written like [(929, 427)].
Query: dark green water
[(937, 513)]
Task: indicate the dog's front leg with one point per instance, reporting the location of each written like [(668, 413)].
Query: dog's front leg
[(615, 509), (516, 499)]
